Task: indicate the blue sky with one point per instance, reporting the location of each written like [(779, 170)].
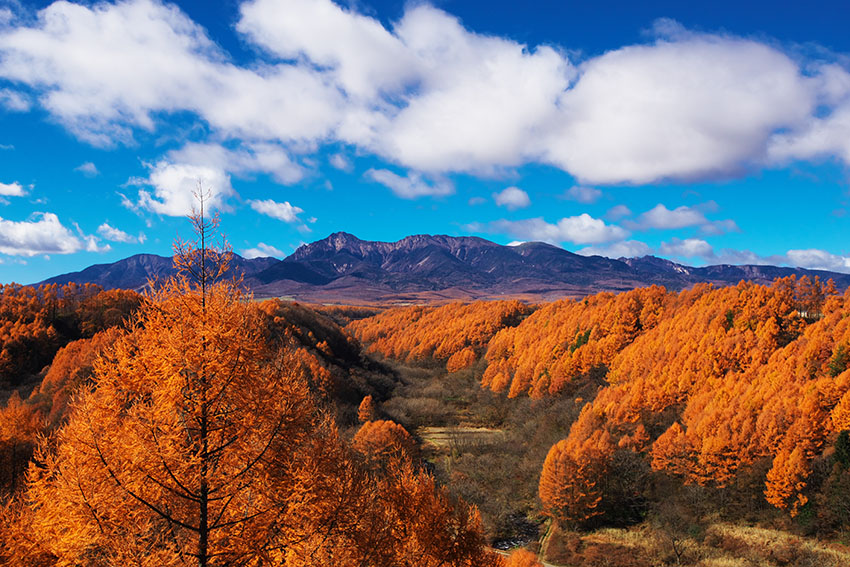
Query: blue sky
[(702, 133)]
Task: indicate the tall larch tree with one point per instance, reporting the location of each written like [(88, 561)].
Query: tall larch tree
[(188, 446)]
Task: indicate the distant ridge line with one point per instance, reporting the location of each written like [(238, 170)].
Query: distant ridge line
[(342, 268)]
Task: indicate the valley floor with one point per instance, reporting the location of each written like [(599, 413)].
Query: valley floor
[(489, 450)]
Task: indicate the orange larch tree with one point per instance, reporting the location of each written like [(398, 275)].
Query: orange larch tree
[(189, 421), (367, 410)]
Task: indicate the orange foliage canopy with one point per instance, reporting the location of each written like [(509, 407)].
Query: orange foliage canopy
[(383, 439), (750, 372), (36, 321), (366, 411), (566, 339), (522, 558), (419, 333)]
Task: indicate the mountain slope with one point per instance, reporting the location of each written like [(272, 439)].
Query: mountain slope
[(343, 268), (135, 271)]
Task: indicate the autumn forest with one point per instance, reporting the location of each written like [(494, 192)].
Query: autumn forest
[(196, 425)]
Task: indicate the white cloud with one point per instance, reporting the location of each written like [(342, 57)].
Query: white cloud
[(14, 101), (823, 135), (175, 178), (363, 56), (262, 251), (687, 248), (624, 249), (175, 186), (738, 257), (581, 229), (720, 227), (475, 201), (661, 218), (117, 235), (581, 194), (107, 69), (245, 159), (42, 234), (697, 107), (93, 244), (618, 212), (14, 189), (480, 101), (88, 169), (280, 211), (512, 198), (425, 93), (6, 16), (818, 260), (339, 161), (412, 186)]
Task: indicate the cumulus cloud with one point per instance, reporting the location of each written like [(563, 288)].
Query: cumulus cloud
[(692, 108), (176, 177), (175, 186), (512, 198), (285, 211), (823, 135), (339, 161), (88, 169), (581, 229), (14, 189), (719, 227), (107, 69), (738, 257), (14, 101), (687, 248), (581, 194), (812, 258), (412, 186), (661, 218), (117, 235), (427, 94), (623, 249), (6, 16), (618, 212), (42, 234), (262, 251), (818, 260)]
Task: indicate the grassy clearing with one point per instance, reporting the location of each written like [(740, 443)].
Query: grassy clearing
[(455, 437), (720, 545)]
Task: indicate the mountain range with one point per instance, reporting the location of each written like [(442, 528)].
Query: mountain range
[(422, 268)]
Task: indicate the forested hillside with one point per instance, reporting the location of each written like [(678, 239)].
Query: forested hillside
[(735, 396), (197, 427), (667, 412)]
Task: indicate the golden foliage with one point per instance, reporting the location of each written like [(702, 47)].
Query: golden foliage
[(419, 333), (566, 339), (366, 411), (199, 440), (751, 371), (522, 558), (384, 439)]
